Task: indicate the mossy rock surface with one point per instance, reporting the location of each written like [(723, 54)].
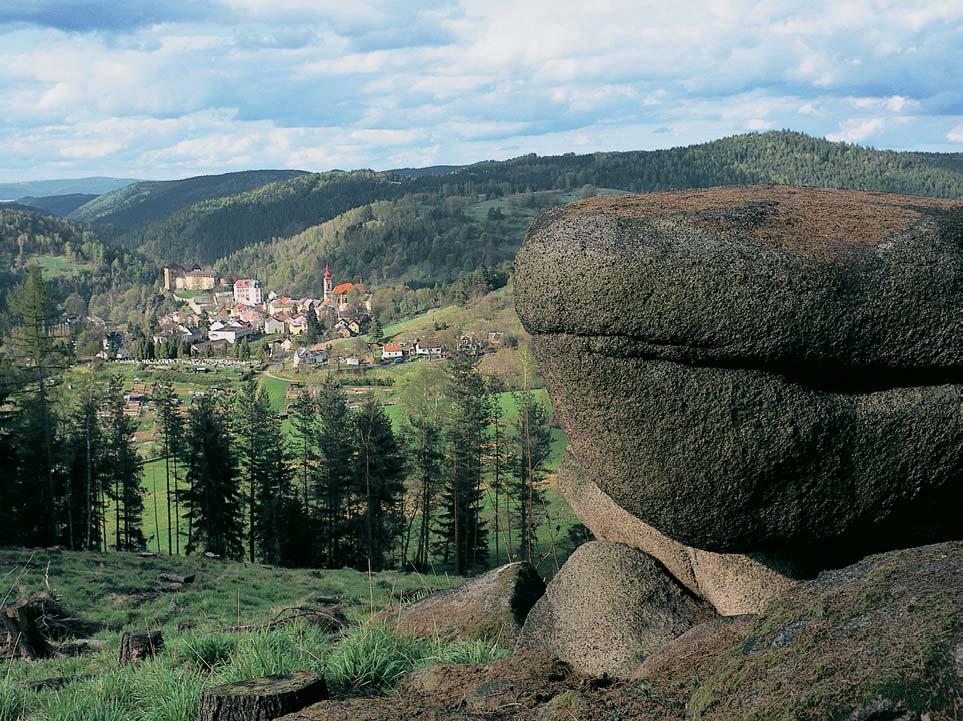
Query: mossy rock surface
[(881, 639)]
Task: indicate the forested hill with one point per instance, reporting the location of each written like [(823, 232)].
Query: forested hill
[(773, 157), (73, 256), (439, 225), (213, 229), (62, 205), (139, 204)]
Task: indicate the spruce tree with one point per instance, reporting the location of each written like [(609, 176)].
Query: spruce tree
[(123, 470), (462, 538), (532, 445), (213, 499), (379, 484), (87, 469), (38, 354), (336, 445), (171, 427), (427, 456), (262, 461)]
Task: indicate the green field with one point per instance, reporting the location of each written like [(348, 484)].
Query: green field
[(60, 266), (108, 594)]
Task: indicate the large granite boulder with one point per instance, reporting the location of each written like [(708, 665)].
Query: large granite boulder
[(492, 607), (733, 583), (765, 369), (881, 639), (608, 609)]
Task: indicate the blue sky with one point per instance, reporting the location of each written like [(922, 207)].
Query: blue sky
[(163, 89)]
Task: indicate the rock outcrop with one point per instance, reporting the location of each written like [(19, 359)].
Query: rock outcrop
[(881, 639), (609, 608), (764, 369), (492, 607), (734, 584)]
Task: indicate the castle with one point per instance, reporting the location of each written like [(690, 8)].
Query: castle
[(177, 277)]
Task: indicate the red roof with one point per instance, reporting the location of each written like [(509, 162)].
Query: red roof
[(392, 349), (327, 271), (342, 288)]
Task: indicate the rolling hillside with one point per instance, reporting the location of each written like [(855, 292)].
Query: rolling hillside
[(139, 204), (62, 205), (66, 186), (438, 222), (208, 230)]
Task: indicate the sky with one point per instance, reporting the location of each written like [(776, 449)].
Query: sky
[(173, 88)]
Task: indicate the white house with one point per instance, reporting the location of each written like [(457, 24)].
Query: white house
[(248, 291), (427, 347), (231, 332), (392, 352), (306, 356)]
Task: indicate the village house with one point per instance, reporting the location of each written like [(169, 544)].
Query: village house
[(391, 352), (427, 347), (308, 357), (282, 304), (253, 316), (274, 325), (350, 361), (231, 332), (210, 347), (248, 291), (177, 332), (298, 324)]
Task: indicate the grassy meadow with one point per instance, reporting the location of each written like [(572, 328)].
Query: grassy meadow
[(120, 592)]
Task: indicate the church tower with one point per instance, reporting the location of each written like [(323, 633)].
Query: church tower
[(328, 284)]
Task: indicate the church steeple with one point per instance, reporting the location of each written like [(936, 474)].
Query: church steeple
[(328, 283)]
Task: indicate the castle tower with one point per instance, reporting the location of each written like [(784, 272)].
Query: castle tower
[(328, 283)]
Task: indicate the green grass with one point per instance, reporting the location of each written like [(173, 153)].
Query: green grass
[(120, 592), (60, 266)]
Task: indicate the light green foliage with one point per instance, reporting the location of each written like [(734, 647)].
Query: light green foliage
[(120, 592)]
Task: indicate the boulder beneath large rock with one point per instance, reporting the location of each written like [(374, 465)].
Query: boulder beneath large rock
[(881, 639), (492, 607), (767, 369), (608, 609), (734, 584)]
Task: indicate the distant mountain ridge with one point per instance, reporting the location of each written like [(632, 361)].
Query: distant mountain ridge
[(66, 186), (206, 231), (62, 205), (142, 203)]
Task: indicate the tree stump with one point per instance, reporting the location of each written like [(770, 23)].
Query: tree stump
[(262, 699), (174, 578), (20, 634), (135, 647)]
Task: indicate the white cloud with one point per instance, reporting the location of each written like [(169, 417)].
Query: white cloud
[(370, 83), (855, 130)]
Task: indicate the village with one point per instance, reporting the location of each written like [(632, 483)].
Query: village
[(222, 317)]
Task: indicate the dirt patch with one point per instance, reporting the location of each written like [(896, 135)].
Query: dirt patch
[(811, 222), (529, 686)]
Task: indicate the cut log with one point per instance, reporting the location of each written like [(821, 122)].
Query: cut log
[(331, 620), (135, 647), (20, 632), (148, 554), (58, 682), (81, 647), (174, 578), (262, 699)]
